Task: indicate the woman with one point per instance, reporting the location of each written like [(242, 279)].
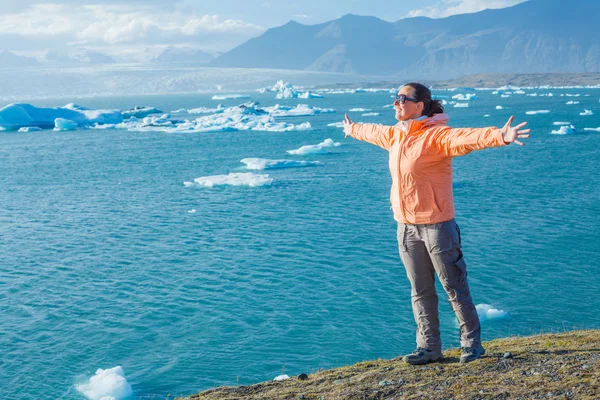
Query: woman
[(421, 148)]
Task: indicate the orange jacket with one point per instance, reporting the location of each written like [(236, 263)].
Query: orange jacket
[(421, 154)]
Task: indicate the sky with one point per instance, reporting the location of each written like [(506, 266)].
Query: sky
[(131, 27)]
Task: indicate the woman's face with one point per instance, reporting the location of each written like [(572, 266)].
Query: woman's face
[(410, 109)]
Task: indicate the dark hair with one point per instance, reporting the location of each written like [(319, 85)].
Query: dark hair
[(422, 93)]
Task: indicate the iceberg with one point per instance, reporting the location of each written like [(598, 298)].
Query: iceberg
[(263, 163), (592, 129), (465, 97), (315, 148), (487, 313), (106, 384), (565, 130), (561, 123), (499, 108), (360, 109), (230, 96), (571, 102), (537, 112), (309, 95), (301, 110), (62, 124), (461, 105), (140, 112), (16, 116), (233, 179), (370, 114), (586, 112), (30, 129)]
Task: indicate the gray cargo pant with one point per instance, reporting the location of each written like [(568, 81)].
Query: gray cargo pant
[(426, 249)]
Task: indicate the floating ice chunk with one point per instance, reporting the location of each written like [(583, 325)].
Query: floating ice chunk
[(586, 112), (15, 116), (309, 95), (561, 123), (263, 163), (461, 105), (107, 384), (301, 110), (230, 96), (519, 92), (359, 110), (572, 102), (192, 211), (487, 312), (206, 110), (315, 148), (30, 129), (336, 124), (179, 110), (465, 97), (140, 112), (505, 95), (370, 114), (565, 130), (281, 378), (532, 94), (233, 179), (537, 112), (388, 106), (486, 115), (444, 102), (63, 124), (499, 108), (592, 129)]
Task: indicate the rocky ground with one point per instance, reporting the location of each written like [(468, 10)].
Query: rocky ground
[(551, 366)]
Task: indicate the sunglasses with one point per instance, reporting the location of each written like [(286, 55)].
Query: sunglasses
[(401, 99)]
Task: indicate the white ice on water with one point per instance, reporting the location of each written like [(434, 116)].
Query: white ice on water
[(106, 384), (359, 110), (230, 96), (586, 112), (232, 179), (140, 112), (370, 114), (461, 105), (499, 108), (63, 124), (487, 313), (286, 90), (16, 116), (537, 112), (565, 130), (301, 110), (315, 148), (561, 123), (570, 102), (465, 97), (263, 163)]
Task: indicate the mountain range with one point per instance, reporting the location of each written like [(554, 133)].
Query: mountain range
[(537, 36)]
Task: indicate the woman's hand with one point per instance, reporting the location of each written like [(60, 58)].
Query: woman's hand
[(510, 134), (347, 126)]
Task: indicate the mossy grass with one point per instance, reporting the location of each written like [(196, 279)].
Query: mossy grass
[(558, 365)]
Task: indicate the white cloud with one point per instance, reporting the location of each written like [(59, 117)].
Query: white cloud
[(446, 8), (122, 24)]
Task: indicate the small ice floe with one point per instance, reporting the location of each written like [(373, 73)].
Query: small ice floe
[(206, 110), (519, 92), (107, 384), (30, 129), (561, 123), (537, 112), (244, 117), (230, 96), (465, 97), (487, 313), (336, 124), (370, 114), (444, 102), (505, 95), (586, 112), (263, 163), (315, 148), (486, 115), (388, 106), (309, 95), (301, 110), (592, 129), (461, 105), (192, 211), (281, 378), (233, 179), (359, 110), (140, 112), (499, 108), (16, 116), (565, 130), (571, 102), (572, 95), (63, 124), (532, 94)]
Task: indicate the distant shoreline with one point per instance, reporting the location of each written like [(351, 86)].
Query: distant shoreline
[(492, 81)]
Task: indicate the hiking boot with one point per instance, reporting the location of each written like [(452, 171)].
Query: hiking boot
[(422, 356), (471, 353)]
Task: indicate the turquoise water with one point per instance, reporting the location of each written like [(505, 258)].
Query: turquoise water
[(103, 265)]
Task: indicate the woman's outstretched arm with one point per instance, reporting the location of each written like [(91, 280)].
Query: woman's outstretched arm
[(379, 135), (460, 141)]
